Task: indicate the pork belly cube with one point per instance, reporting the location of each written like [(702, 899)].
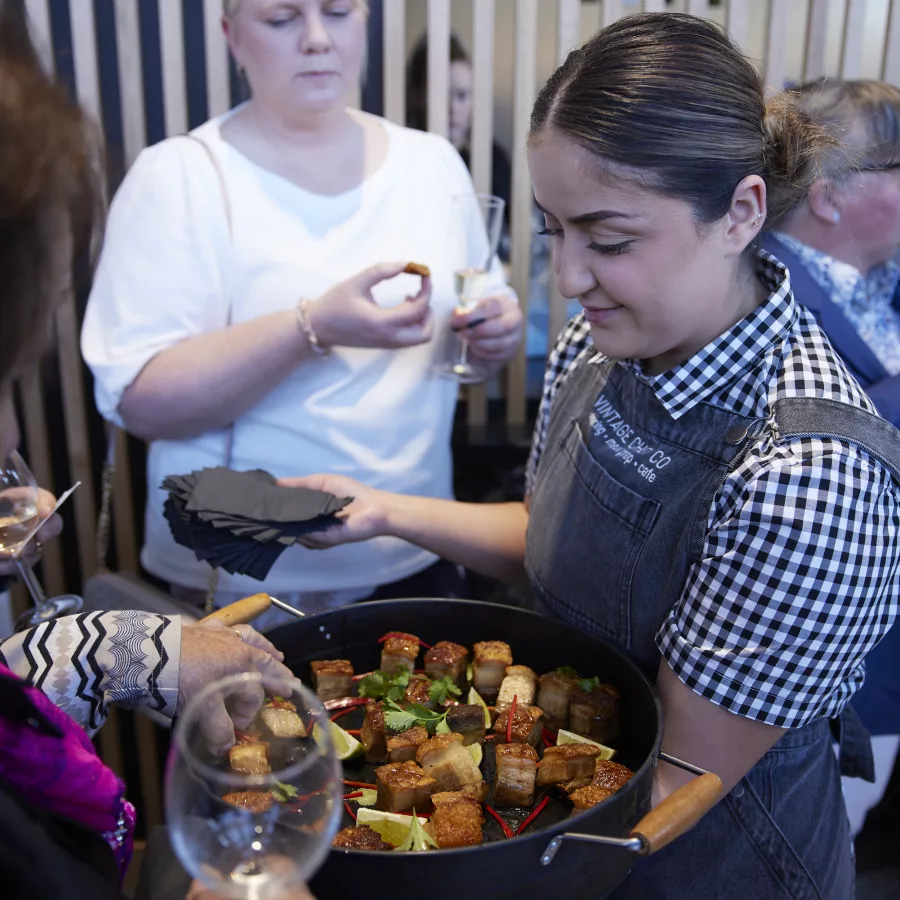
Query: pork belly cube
[(249, 758), (467, 719), (333, 678), (402, 786), (554, 693), (448, 762), (251, 801), (281, 718), (567, 763), (447, 660), (402, 747), (519, 682), (417, 691), (516, 769), (489, 667), (360, 837), (595, 714), (608, 777), (526, 727), (569, 786), (373, 733), (457, 820), (399, 649)]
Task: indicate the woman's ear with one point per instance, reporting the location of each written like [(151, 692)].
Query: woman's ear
[(824, 202), (747, 214)]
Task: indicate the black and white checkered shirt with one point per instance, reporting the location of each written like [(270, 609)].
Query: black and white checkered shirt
[(800, 575)]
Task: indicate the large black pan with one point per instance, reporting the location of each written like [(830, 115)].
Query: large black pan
[(540, 861)]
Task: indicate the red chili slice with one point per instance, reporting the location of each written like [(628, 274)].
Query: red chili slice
[(534, 814), (506, 829), (349, 811), (361, 784), (353, 796)]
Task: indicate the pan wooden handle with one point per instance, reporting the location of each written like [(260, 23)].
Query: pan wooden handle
[(242, 611), (679, 812)]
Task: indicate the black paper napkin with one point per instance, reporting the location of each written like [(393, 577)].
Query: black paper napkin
[(243, 521)]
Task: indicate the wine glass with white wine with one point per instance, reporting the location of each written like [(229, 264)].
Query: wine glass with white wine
[(18, 519), (481, 216)]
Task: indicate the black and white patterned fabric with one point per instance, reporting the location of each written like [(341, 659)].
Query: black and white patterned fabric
[(800, 572)]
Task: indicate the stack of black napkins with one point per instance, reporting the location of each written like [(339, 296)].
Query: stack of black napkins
[(243, 521)]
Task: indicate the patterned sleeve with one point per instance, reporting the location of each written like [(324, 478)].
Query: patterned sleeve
[(86, 662), (570, 346), (798, 580)]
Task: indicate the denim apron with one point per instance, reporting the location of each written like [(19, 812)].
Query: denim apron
[(618, 515)]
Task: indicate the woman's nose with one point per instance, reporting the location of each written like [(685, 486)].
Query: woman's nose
[(316, 38), (573, 277)]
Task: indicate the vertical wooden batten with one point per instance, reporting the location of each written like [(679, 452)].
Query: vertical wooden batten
[(776, 46), (890, 66), (438, 66), (174, 82), (84, 59), (854, 38), (38, 13), (131, 81), (395, 61), (218, 90), (816, 39), (612, 12), (737, 20)]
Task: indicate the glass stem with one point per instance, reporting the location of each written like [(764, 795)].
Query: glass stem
[(31, 582), (463, 352)]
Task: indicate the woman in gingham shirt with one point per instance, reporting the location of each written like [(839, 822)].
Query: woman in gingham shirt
[(709, 487)]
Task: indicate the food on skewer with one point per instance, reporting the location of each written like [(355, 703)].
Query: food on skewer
[(402, 786), (360, 837), (249, 758), (402, 747), (332, 678), (489, 667), (567, 763), (281, 718), (414, 268), (520, 682), (457, 819), (608, 777), (251, 801), (447, 660), (555, 691), (373, 734), (451, 765), (467, 719), (526, 725), (516, 769), (594, 710), (399, 649), (419, 691)]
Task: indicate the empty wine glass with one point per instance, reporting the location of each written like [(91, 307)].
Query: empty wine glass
[(259, 819), (18, 518), (481, 218)]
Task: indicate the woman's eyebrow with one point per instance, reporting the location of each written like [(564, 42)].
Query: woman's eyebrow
[(599, 215)]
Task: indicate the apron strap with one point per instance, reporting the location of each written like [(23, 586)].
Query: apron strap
[(855, 747)]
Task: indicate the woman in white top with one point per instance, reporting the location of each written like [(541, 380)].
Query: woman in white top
[(247, 294)]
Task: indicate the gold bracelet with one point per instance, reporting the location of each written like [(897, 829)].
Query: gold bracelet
[(307, 329)]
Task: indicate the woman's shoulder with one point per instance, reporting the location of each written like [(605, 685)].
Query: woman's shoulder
[(423, 148)]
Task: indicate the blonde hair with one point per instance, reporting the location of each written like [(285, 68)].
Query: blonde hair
[(230, 7)]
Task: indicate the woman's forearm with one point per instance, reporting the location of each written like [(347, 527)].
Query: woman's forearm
[(205, 382)]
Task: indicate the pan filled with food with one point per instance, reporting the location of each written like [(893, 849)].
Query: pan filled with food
[(486, 751)]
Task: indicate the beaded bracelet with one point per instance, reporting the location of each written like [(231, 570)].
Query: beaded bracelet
[(307, 329)]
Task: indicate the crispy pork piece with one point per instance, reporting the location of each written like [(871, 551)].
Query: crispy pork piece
[(402, 786), (249, 758), (333, 678), (595, 714), (414, 268), (280, 717), (417, 691), (360, 837), (457, 820), (489, 667), (467, 719), (554, 693), (516, 769), (608, 777), (526, 727), (448, 762), (373, 733), (251, 801), (399, 649), (519, 682), (402, 747), (566, 763), (569, 786), (447, 660)]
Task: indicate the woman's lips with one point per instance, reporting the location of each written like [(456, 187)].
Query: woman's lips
[(597, 316)]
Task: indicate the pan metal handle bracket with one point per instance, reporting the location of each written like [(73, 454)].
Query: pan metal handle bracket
[(635, 844)]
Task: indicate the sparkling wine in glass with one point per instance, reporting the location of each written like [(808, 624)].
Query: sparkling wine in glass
[(481, 218), (255, 821)]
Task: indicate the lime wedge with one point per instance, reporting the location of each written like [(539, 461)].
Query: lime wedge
[(369, 797), (569, 737), (347, 746), (475, 698), (392, 827), (477, 753)]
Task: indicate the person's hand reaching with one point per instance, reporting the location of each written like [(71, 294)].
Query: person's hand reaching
[(493, 329)]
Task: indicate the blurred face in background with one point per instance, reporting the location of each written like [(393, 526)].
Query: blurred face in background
[(299, 56), (460, 103)]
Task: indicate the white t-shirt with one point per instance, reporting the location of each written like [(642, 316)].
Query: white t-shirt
[(169, 270)]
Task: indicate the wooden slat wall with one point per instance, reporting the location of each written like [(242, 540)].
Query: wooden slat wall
[(438, 66), (777, 45), (854, 35), (890, 70), (395, 60)]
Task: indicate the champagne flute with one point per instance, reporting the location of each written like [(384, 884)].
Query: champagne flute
[(481, 219), (261, 831), (18, 518)]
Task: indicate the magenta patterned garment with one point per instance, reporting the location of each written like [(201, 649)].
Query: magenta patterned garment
[(64, 776)]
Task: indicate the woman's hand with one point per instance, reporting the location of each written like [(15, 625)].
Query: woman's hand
[(493, 329), (348, 316), (46, 502)]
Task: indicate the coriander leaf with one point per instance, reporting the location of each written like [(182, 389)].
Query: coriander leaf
[(567, 672), (424, 713), (589, 684), (417, 838), (373, 685), (442, 727), (399, 720), (441, 689), (283, 792)]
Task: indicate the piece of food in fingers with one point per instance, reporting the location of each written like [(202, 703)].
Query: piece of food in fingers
[(251, 801), (467, 719), (402, 786), (332, 678), (281, 718), (457, 820), (373, 733), (566, 763), (399, 649), (594, 710), (555, 690), (450, 764), (489, 667), (414, 268), (526, 725), (360, 837), (447, 660), (419, 691), (516, 770), (249, 758), (520, 682), (401, 747), (608, 778)]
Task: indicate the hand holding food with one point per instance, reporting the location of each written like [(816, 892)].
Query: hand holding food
[(492, 328)]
